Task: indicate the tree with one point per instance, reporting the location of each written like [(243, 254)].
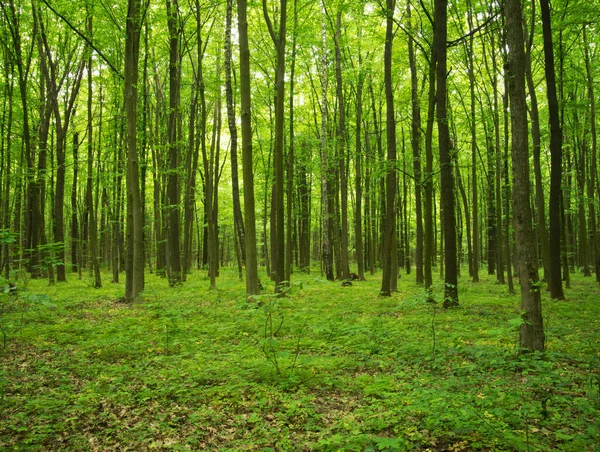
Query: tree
[(173, 188), (134, 282), (279, 39), (445, 145), (390, 212), (556, 290), (532, 328), (247, 164)]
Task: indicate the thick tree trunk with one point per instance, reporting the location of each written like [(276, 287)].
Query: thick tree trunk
[(532, 329)]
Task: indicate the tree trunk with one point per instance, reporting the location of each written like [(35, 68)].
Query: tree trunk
[(75, 239), (591, 189), (445, 145), (326, 230), (416, 151), (387, 253), (134, 281), (92, 217), (173, 186), (358, 175), (556, 289), (532, 329), (279, 231), (252, 287), (237, 208)]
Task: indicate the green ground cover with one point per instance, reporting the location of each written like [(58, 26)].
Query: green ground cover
[(324, 368)]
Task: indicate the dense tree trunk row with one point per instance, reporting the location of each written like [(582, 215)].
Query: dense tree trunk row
[(321, 122)]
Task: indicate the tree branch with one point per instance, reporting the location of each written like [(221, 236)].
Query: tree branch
[(85, 38)]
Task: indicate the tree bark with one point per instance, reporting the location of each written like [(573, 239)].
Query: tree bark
[(173, 186), (532, 329), (235, 186), (445, 148), (389, 230), (416, 152), (252, 287), (134, 281), (556, 289)]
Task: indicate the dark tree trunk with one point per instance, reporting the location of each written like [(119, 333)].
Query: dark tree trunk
[(556, 289)]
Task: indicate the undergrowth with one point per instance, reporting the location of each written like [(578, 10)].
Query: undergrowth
[(322, 367)]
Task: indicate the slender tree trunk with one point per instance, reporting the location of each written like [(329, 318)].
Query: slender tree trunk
[(358, 216), (279, 40), (341, 150), (289, 243), (6, 263), (173, 186), (591, 189), (556, 290), (75, 239), (134, 281), (532, 328), (428, 204), (475, 199), (326, 247), (447, 180), (92, 217), (416, 151), (237, 208), (387, 253), (252, 287)]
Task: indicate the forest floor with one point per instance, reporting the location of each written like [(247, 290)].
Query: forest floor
[(324, 368)]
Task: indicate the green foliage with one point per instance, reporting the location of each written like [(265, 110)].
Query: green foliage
[(320, 368)]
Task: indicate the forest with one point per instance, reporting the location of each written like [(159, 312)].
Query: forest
[(299, 225)]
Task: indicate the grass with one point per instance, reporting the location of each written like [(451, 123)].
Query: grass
[(325, 368)]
